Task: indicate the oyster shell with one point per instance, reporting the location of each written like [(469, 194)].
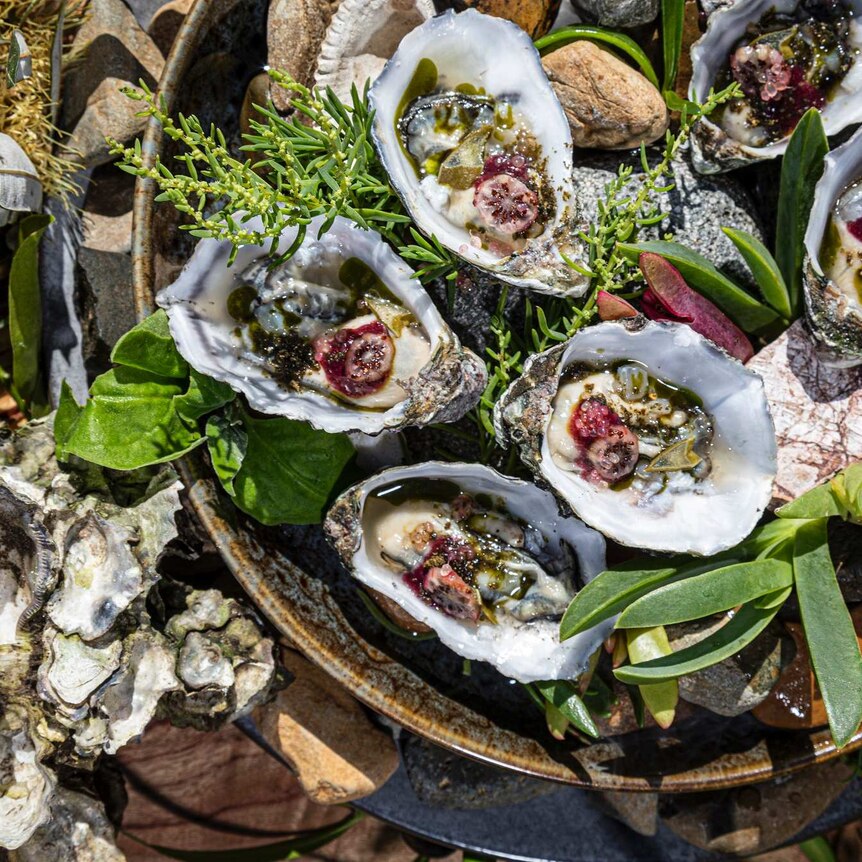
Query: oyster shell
[(481, 151), (714, 149), (483, 559), (650, 432), (832, 271), (279, 336), (20, 189)]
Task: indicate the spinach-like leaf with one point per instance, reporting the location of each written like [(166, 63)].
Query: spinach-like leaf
[(741, 307), (567, 35), (564, 697), (25, 316), (289, 471), (659, 698), (800, 170), (829, 632), (130, 421), (227, 443), (707, 594), (149, 347), (203, 396), (741, 630), (68, 411), (764, 268), (819, 502), (672, 20), (615, 589)]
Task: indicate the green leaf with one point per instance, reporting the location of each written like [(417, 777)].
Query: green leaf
[(227, 443), (829, 631), (672, 19), (68, 411), (612, 591), (707, 594), (567, 35), (817, 850), (564, 697), (659, 698), (150, 347), (766, 272), (741, 307), (819, 502), (203, 396), (25, 315), (733, 636), (800, 170), (130, 421), (289, 471), (292, 848)]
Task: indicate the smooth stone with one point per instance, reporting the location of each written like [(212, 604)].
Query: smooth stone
[(294, 34), (639, 811), (740, 683), (750, 819), (609, 104), (256, 93), (442, 778), (697, 208), (536, 17), (618, 13), (337, 752), (166, 23)]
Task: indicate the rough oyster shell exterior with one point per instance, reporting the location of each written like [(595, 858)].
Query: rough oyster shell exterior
[(530, 651), (450, 41), (712, 149), (744, 450), (834, 319)]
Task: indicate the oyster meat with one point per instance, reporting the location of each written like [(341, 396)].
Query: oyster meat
[(650, 432), (340, 335), (833, 257), (484, 560), (476, 144), (787, 56)]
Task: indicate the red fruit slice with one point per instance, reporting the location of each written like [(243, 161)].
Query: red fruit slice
[(506, 204), (855, 228), (447, 591), (356, 361), (592, 418), (615, 455)]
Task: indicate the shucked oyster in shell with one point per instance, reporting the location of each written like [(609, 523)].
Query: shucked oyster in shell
[(476, 144), (833, 257), (650, 432), (484, 560), (787, 56), (340, 335)]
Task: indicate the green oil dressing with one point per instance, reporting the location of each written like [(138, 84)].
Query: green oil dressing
[(678, 396), (423, 83), (240, 303), (830, 247)]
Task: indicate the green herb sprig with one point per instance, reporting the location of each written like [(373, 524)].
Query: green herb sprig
[(753, 580)]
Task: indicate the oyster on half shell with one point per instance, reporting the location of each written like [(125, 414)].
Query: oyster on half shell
[(476, 144), (832, 272), (650, 432), (802, 55), (484, 560), (340, 335)]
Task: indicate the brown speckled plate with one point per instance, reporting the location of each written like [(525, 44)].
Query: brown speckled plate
[(296, 581)]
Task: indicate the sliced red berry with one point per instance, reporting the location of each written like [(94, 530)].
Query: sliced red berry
[(855, 228), (356, 361), (515, 166), (592, 418), (615, 455), (447, 591), (506, 204)]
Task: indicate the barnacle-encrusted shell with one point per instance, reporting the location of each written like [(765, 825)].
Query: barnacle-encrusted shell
[(20, 189), (497, 57), (717, 514), (528, 651), (444, 389), (713, 150), (834, 317), (361, 37)]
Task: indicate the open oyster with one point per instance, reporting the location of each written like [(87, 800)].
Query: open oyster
[(650, 432), (340, 335), (833, 261), (484, 560), (477, 146), (788, 56)]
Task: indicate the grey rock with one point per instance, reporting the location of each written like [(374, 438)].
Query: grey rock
[(618, 13), (444, 779), (737, 684), (711, 6), (697, 208)]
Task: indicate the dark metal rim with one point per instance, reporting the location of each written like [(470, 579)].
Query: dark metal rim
[(382, 684)]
